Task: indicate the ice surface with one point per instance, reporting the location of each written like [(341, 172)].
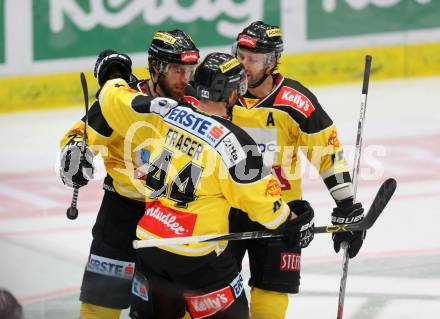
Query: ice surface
[(395, 276)]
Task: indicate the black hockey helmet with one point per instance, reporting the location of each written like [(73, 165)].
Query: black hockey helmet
[(173, 47), (260, 37), (217, 76)]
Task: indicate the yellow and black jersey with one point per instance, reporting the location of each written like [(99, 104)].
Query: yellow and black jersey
[(288, 119), (198, 166), (121, 158)]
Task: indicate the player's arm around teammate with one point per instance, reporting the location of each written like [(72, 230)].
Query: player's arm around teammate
[(106, 290), (229, 150)]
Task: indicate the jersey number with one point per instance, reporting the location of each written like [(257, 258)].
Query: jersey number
[(183, 187)]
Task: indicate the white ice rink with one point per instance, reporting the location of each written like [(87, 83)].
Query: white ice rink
[(395, 276)]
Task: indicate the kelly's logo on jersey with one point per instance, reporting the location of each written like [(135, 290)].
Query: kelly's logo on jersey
[(209, 304), (295, 99)]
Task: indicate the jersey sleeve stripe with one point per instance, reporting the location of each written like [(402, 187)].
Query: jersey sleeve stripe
[(280, 219), (341, 192), (337, 179)]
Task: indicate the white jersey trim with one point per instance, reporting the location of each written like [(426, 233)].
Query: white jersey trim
[(185, 249)]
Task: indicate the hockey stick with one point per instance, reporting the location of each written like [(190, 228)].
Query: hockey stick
[(382, 198), (357, 158), (72, 211)]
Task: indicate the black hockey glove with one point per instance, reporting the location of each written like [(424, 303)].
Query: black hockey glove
[(111, 64), (348, 215), (76, 170), (300, 231)]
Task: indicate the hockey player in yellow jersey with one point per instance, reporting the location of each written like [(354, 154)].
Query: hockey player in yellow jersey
[(106, 290), (283, 116), (199, 166)]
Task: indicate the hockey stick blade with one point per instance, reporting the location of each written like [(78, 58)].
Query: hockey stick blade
[(382, 198), (380, 201)]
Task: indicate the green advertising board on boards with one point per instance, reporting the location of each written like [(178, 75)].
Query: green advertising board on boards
[(75, 28), (336, 18)]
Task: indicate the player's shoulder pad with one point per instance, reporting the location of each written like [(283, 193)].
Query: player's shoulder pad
[(237, 149), (96, 120), (241, 154), (302, 105)]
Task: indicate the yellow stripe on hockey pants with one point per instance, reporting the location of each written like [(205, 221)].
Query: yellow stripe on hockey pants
[(89, 311), (268, 304)]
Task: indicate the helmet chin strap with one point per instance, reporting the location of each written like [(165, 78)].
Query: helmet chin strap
[(161, 70), (267, 72), (155, 83), (258, 83), (229, 110), (163, 87), (159, 75), (229, 107)]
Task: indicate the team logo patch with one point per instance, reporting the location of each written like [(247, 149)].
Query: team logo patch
[(333, 139), (189, 57), (110, 267), (248, 102), (290, 262), (295, 99), (272, 188), (209, 304), (166, 222), (247, 41)]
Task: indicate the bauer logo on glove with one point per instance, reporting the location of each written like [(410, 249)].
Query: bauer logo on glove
[(347, 220)]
